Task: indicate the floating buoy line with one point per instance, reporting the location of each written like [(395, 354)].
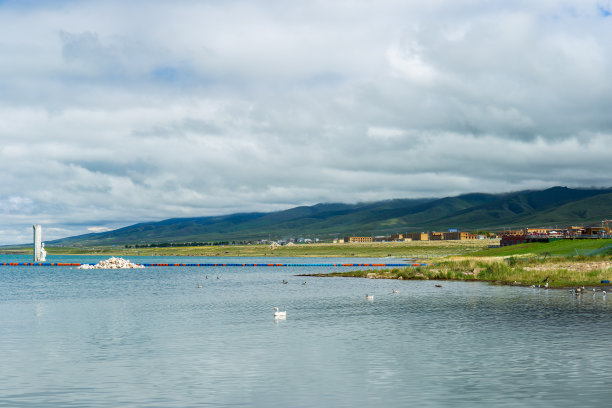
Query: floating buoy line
[(140, 265)]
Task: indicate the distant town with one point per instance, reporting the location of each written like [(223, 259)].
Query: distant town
[(507, 237)]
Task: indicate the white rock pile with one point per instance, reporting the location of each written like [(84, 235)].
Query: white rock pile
[(112, 263)]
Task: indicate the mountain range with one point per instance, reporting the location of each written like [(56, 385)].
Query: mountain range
[(555, 206)]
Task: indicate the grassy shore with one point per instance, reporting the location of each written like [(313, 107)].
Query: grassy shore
[(360, 250), (558, 272)]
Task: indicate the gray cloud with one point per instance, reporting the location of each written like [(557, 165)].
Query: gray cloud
[(110, 115)]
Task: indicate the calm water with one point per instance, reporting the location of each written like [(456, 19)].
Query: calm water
[(151, 338)]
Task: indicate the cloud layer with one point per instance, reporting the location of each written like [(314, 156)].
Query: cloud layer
[(118, 112)]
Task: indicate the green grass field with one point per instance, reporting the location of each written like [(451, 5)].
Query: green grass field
[(556, 248), (432, 249), (360, 250)]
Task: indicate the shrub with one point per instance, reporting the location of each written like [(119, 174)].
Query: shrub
[(496, 271)]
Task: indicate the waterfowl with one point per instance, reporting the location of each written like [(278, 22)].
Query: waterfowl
[(199, 286), (437, 285), (279, 315), (285, 282), (394, 291), (369, 297)]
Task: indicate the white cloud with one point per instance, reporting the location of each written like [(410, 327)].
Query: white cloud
[(98, 229), (110, 116), (384, 134), (410, 65)]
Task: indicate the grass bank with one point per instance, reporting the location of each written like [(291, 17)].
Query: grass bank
[(361, 250), (558, 272), (564, 247)]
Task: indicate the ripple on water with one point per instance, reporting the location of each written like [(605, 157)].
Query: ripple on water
[(153, 338)]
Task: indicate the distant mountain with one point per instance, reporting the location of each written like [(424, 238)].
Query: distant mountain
[(550, 207)]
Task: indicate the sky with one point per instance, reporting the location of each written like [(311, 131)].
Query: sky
[(115, 112)]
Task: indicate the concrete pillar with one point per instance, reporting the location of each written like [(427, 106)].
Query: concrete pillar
[(37, 242)]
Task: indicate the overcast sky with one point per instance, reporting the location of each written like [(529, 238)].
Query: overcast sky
[(118, 112)]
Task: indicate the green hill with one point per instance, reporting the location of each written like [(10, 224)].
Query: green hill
[(550, 207), (554, 206)]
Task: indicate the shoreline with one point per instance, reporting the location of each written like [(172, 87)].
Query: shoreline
[(522, 265), (586, 288), (530, 272)]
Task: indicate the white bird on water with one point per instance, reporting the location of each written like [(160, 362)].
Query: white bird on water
[(279, 315), (394, 291), (369, 297)]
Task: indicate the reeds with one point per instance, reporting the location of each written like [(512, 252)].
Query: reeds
[(557, 272)]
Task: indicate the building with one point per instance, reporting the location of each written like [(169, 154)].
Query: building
[(537, 231), (436, 236), (512, 239), (574, 231), (594, 231), (418, 236), (512, 232), (357, 239), (458, 235)]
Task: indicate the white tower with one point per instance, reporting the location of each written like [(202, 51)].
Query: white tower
[(37, 242)]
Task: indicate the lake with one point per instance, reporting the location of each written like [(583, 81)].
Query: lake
[(152, 338)]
